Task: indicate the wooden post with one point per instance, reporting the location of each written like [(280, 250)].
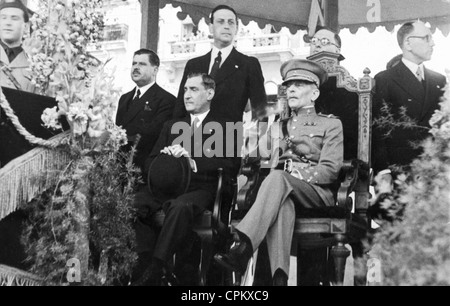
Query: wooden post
[(150, 24), (331, 14)]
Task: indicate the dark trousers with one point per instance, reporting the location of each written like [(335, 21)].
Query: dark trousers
[(163, 234), (179, 221)]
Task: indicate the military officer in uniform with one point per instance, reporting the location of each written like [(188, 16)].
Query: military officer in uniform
[(14, 63), (308, 154)]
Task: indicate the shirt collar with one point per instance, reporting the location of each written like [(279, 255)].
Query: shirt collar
[(413, 67), (144, 89), (225, 52), (307, 110), (14, 51), (200, 117)]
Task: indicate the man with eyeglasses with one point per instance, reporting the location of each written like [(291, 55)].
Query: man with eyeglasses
[(334, 100), (408, 85), (343, 104)]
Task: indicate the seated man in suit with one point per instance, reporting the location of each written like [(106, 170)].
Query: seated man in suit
[(308, 148), (14, 63), (184, 141), (144, 110)]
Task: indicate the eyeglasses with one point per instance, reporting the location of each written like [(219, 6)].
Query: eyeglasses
[(428, 38), (324, 41)]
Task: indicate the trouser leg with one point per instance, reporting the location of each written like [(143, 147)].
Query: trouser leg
[(279, 238), (179, 220), (273, 215)]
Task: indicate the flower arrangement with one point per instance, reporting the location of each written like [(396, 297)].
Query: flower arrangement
[(87, 215), (62, 67), (414, 248)]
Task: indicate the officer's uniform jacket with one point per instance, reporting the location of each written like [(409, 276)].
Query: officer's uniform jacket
[(19, 69), (313, 151)]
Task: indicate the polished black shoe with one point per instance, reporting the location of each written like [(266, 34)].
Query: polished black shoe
[(236, 259), (280, 279), (169, 280)]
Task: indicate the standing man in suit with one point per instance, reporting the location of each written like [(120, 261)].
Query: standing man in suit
[(144, 110), (14, 62), (308, 149), (181, 207), (238, 77), (333, 99), (411, 86)]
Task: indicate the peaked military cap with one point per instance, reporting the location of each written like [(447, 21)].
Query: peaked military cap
[(17, 4), (303, 70)]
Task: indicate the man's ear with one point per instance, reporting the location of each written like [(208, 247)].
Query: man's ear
[(211, 94), (315, 95), (211, 29)]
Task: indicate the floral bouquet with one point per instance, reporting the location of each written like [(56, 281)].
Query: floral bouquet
[(86, 217), (62, 67)]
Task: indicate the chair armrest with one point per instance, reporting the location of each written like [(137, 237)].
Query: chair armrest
[(251, 168), (217, 210), (351, 173)]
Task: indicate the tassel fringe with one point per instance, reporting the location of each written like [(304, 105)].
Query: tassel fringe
[(22, 179), (11, 277)]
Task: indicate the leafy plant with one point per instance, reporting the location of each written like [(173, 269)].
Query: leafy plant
[(414, 249)]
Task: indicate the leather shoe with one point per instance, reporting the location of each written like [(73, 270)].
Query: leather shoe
[(236, 259), (169, 280), (280, 279)]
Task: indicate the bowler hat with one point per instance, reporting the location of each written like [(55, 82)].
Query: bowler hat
[(303, 70), (169, 177), (17, 4)]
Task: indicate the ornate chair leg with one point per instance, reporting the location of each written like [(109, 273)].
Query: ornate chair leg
[(340, 254), (206, 257)]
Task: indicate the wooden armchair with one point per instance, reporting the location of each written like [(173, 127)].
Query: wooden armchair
[(347, 222), (212, 227)]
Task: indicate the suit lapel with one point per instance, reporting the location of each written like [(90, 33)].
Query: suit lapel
[(122, 108), (21, 61), (138, 106), (205, 62), (431, 93), (406, 80), (3, 56), (230, 66)]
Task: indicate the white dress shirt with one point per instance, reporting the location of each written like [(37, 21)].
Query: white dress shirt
[(143, 89), (225, 54), (200, 118), (413, 67)]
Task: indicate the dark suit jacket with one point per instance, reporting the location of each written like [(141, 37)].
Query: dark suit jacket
[(239, 80), (145, 117), (344, 105), (398, 87), (206, 177)]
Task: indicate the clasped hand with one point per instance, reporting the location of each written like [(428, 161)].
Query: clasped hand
[(176, 151)]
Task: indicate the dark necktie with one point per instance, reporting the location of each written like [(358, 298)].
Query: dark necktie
[(216, 66), (419, 75), (136, 98)]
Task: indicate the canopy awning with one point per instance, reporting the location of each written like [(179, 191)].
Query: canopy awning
[(349, 14)]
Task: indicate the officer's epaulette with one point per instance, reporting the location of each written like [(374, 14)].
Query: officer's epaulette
[(330, 116)]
